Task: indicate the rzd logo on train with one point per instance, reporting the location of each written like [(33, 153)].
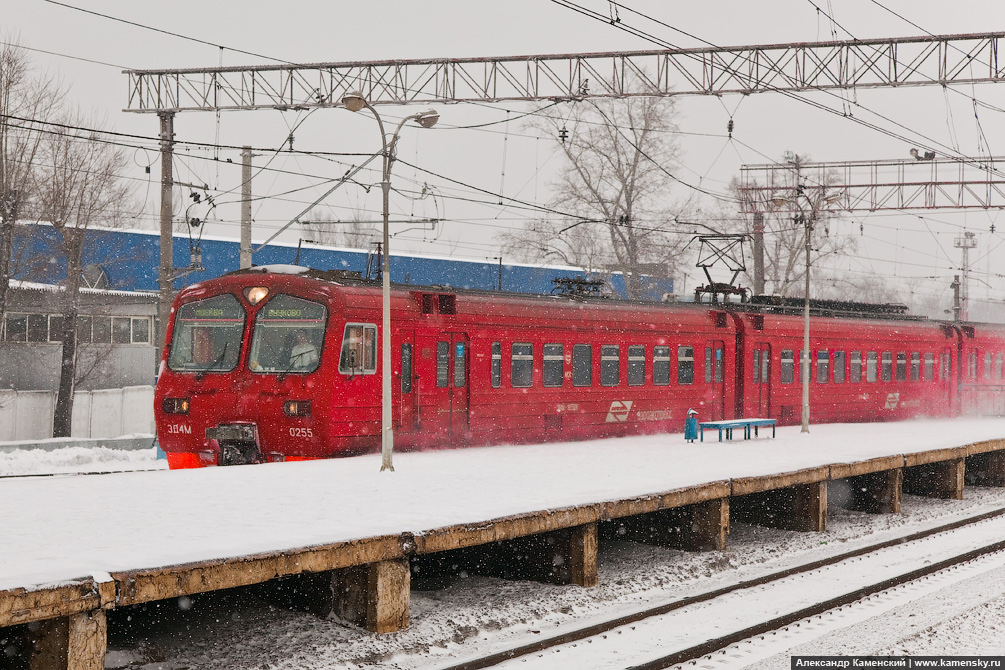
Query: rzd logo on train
[(619, 411), (892, 400)]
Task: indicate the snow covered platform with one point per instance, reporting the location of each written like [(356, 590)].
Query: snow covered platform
[(72, 546)]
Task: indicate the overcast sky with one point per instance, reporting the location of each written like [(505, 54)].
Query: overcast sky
[(766, 125)]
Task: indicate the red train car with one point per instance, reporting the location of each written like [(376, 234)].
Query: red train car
[(281, 363), (982, 350), (861, 369)]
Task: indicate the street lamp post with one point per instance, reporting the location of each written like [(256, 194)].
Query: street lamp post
[(807, 221), (354, 102)]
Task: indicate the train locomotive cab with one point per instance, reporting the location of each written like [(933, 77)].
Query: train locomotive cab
[(243, 371)]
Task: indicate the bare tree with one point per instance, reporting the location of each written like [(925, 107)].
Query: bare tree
[(802, 209), (27, 101), (78, 186), (614, 186)]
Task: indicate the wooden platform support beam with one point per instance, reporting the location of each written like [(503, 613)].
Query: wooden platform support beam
[(76, 642), (941, 479), (802, 507), (703, 526), (582, 555), (987, 469), (876, 492), (374, 596), (709, 526)]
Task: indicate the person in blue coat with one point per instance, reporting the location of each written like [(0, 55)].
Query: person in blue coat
[(691, 426)]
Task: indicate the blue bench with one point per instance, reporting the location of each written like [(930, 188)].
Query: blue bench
[(730, 424)]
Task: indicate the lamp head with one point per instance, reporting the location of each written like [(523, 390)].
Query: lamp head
[(832, 198), (354, 101), (428, 118), (779, 201)]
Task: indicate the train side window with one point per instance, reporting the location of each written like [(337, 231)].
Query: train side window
[(901, 366), (610, 365), (636, 365), (870, 366), (757, 366), (661, 366), (442, 365), (823, 366), (886, 371), (708, 365), (765, 368), (915, 366), (972, 365), (554, 365), (855, 367), (998, 367), (839, 366), (685, 365), (521, 364), (944, 373), (787, 366), (582, 365), (987, 366), (460, 364), (929, 367), (496, 364), (358, 356), (406, 367)]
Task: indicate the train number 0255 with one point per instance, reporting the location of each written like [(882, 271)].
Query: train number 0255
[(301, 432)]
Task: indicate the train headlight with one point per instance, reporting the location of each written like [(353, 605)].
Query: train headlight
[(256, 294), (175, 405), (297, 408)]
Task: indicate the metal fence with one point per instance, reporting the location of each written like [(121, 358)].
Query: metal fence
[(27, 415)]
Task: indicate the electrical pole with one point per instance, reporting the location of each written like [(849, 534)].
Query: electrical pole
[(965, 244), (245, 207), (164, 279), (956, 297), (758, 253)]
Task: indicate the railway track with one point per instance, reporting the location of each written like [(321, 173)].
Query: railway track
[(611, 628), (80, 474)]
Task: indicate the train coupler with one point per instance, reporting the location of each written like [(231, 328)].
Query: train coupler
[(238, 443)]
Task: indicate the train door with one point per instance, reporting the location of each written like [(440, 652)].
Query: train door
[(715, 375), (406, 394), (444, 402), (761, 378), (947, 379)]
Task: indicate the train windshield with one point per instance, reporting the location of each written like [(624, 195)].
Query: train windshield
[(207, 335), (288, 336)]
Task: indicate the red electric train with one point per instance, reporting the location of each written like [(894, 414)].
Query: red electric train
[(282, 363)]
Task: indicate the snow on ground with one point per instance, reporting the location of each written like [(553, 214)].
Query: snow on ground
[(77, 460), (68, 527)]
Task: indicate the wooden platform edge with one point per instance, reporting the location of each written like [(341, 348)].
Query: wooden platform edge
[(21, 605), (25, 605), (139, 586)]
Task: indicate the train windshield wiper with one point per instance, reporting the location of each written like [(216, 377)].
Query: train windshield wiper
[(212, 366)]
